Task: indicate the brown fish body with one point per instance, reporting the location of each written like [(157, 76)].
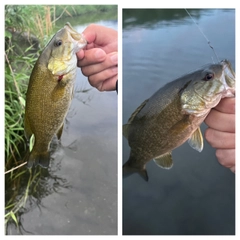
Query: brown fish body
[(177, 124), (173, 115), (49, 93)]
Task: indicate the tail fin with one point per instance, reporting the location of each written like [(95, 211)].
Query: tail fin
[(128, 170), (35, 158)]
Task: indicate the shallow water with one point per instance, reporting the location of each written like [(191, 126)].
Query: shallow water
[(197, 196), (78, 193)]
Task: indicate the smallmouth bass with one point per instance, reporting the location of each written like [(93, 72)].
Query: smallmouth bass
[(174, 114), (50, 92)]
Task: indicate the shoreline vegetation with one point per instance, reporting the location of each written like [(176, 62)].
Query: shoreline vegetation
[(27, 30)]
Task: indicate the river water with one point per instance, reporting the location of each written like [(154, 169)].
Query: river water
[(78, 193), (197, 196)]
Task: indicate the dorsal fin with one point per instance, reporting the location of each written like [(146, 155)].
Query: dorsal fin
[(126, 126), (125, 130), (137, 111)]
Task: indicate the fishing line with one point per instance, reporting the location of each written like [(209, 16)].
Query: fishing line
[(202, 34)]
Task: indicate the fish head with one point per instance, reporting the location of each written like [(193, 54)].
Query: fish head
[(63, 48), (206, 87)]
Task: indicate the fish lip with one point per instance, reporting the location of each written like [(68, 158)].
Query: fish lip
[(78, 37), (229, 78), (228, 69)]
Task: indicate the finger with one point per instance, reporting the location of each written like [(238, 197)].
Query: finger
[(221, 121), (91, 56), (233, 169), (226, 157), (97, 79), (93, 31), (108, 85), (219, 139), (110, 61), (96, 37), (226, 105), (80, 54)]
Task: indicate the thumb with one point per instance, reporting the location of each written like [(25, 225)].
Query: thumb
[(80, 54)]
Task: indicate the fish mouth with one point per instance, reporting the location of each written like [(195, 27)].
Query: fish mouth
[(229, 81), (75, 35), (228, 69)]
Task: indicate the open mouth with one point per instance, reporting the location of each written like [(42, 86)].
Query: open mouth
[(75, 35), (229, 76), (228, 71)]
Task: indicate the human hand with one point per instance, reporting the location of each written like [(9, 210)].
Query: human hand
[(221, 132), (99, 59)]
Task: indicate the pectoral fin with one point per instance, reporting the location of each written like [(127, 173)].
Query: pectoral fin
[(196, 140), (164, 161), (58, 93)]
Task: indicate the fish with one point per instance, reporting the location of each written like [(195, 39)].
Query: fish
[(50, 91), (173, 115)]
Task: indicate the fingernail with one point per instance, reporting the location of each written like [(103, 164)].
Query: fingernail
[(114, 58)]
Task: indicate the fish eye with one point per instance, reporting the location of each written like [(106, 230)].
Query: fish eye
[(208, 76), (58, 43)]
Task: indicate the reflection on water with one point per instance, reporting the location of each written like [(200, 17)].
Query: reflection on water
[(159, 46), (33, 186), (77, 194), (153, 17)]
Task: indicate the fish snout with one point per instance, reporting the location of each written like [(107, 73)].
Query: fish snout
[(75, 37), (228, 77)]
